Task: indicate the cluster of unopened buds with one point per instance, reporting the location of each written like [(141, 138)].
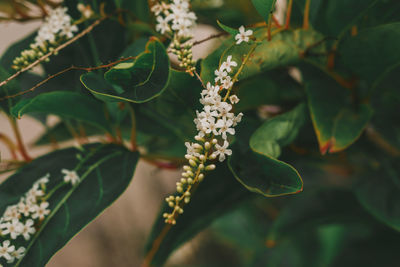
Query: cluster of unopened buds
[(55, 30), (213, 123), (22, 220), (175, 19)]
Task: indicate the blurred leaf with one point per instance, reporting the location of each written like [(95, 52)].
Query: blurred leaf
[(64, 104), (337, 122), (60, 133), (258, 172), (139, 81), (72, 208), (372, 53), (275, 87), (378, 190), (324, 14), (217, 194), (11, 88), (278, 132), (264, 7)]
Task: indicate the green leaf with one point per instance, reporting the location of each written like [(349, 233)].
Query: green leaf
[(264, 7), (229, 30), (216, 195), (138, 81), (261, 173), (372, 53), (337, 121), (278, 132), (105, 172), (10, 88), (378, 190), (65, 104), (285, 48)]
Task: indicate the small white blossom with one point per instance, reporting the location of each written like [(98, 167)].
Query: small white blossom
[(191, 150), (221, 151), (224, 126), (28, 229), (11, 213), (228, 64), (227, 83), (220, 74), (243, 35), (12, 228), (16, 254), (234, 99), (162, 25), (6, 250), (70, 176), (25, 208), (237, 119), (41, 211)]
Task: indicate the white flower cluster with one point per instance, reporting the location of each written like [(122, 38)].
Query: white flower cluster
[(213, 123), (56, 29), (175, 19), (20, 219)]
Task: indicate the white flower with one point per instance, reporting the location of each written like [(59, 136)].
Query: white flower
[(12, 228), (224, 126), (86, 11), (41, 211), (25, 208), (191, 150), (243, 35), (162, 25), (228, 64), (220, 75), (157, 9), (234, 99), (16, 254), (34, 193), (70, 176), (44, 180), (6, 249), (237, 119), (210, 126), (222, 151), (28, 229), (11, 213), (227, 82)]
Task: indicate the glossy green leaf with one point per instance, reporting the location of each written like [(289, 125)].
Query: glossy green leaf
[(285, 48), (261, 173), (105, 172), (372, 53), (278, 132), (337, 122), (217, 194), (228, 29), (138, 81), (264, 7), (65, 104)]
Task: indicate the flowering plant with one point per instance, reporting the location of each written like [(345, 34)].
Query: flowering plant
[(306, 91)]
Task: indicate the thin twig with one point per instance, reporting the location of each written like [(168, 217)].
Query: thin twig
[(210, 37), (64, 71), (20, 143), (199, 78), (306, 23), (41, 59), (288, 14)]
